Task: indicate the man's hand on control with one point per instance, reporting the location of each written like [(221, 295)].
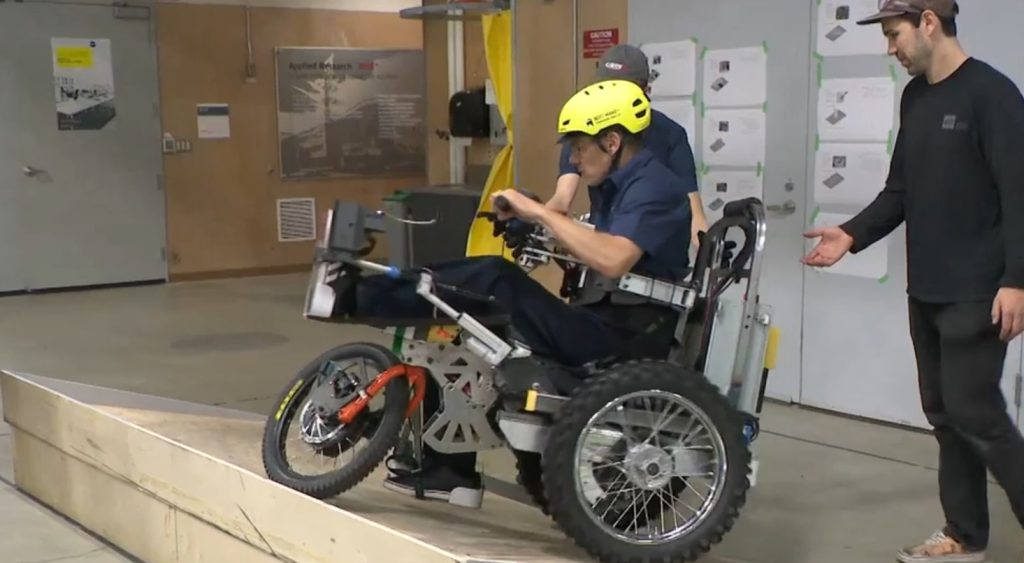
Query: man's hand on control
[(522, 206), (1008, 311), (834, 244)]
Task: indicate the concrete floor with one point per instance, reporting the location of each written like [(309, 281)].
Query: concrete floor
[(832, 489)]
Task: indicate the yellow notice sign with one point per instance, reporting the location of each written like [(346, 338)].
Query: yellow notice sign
[(74, 57)]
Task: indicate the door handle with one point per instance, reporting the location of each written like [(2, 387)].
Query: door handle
[(786, 208)]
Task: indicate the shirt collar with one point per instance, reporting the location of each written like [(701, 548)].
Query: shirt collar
[(618, 178)]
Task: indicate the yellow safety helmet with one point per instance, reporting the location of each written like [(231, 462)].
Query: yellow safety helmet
[(603, 104)]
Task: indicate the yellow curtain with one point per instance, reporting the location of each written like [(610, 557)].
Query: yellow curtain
[(498, 47)]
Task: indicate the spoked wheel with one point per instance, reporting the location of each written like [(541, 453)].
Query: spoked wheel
[(646, 463), (306, 446)]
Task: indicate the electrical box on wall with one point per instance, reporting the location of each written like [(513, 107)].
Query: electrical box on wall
[(469, 115)]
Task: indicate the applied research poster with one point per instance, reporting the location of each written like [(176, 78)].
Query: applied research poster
[(83, 83), (350, 112)]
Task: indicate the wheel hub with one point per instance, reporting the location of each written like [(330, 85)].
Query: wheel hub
[(649, 467)]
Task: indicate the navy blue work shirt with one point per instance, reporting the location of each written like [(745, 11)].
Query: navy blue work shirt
[(668, 141), (642, 201)]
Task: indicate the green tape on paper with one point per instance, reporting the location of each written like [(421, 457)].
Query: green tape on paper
[(883, 279), (765, 45), (889, 144), (814, 215), (821, 72), (817, 142), (764, 107), (760, 169), (818, 57), (892, 72), (703, 52), (704, 169)]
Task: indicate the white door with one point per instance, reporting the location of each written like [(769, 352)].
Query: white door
[(738, 24), (858, 356), (81, 201)]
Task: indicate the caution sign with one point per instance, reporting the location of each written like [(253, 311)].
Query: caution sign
[(597, 41)]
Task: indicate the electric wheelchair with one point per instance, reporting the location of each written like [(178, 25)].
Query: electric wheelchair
[(635, 459)]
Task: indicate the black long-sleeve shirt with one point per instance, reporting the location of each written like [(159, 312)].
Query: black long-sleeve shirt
[(957, 179)]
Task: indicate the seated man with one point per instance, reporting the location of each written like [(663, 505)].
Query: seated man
[(667, 140), (642, 224)]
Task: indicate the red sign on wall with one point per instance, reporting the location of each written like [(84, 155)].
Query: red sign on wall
[(597, 41)]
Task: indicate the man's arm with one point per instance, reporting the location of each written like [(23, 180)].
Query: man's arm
[(1002, 141), (682, 163), (568, 182), (887, 210), (610, 255)]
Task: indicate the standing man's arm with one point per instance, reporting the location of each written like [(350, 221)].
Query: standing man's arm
[(681, 162), (1002, 141), (876, 221), (887, 210), (567, 184)]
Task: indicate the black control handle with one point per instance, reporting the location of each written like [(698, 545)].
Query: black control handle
[(501, 204)]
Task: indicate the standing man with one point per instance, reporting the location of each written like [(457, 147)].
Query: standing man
[(665, 138), (957, 180)]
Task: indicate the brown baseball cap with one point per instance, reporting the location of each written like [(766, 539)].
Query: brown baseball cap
[(890, 8)]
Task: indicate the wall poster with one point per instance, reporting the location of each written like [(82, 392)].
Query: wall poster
[(350, 112), (83, 83)]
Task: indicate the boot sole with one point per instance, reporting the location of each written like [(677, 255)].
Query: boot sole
[(459, 496)]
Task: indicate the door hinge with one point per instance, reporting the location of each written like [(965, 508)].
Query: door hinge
[(1017, 390)]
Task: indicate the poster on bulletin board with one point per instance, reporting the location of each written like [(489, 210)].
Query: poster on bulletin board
[(350, 112)]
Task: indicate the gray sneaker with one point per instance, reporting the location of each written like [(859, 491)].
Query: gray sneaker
[(939, 548)]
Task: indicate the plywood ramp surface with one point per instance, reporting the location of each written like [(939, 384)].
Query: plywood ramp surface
[(170, 485)]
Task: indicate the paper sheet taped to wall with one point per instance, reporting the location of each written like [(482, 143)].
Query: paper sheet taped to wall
[(839, 34), (872, 263), (719, 187), (673, 67), (736, 77), (856, 109), (734, 137), (680, 110), (850, 173)]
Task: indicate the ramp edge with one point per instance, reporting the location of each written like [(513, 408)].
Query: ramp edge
[(241, 504)]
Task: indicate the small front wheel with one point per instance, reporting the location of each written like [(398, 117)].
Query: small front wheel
[(646, 463), (305, 445)]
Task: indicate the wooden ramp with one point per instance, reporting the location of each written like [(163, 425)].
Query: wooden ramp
[(171, 481)]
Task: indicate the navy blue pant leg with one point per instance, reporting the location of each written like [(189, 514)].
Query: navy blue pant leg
[(570, 335)]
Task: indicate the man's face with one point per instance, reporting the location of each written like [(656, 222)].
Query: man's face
[(593, 163), (911, 45)]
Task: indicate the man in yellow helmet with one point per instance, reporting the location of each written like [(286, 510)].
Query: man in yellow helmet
[(642, 224), (667, 140)]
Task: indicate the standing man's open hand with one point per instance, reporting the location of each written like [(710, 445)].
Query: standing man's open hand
[(834, 244), (1008, 312)]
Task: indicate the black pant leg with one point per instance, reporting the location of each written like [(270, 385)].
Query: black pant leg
[(962, 486), (973, 359)]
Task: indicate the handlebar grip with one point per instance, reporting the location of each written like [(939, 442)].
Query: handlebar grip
[(501, 204)]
